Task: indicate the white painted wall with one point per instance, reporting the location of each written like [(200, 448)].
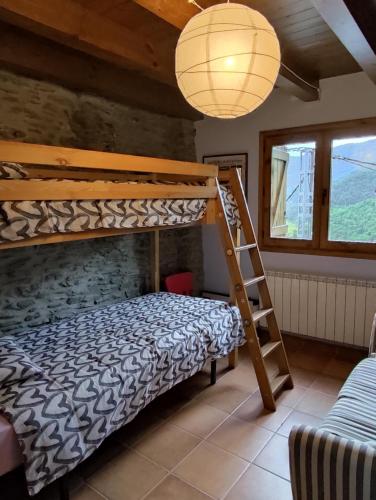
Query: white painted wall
[(342, 98)]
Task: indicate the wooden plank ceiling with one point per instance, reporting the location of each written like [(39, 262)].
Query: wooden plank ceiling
[(307, 42), (139, 37)]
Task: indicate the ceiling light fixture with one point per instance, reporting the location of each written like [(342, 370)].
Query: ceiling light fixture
[(227, 60)]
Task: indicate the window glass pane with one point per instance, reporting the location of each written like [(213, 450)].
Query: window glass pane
[(352, 211), (292, 185)]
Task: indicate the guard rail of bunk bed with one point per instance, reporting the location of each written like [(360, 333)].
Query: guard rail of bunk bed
[(54, 163)]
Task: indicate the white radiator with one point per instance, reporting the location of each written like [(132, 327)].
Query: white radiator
[(333, 309)]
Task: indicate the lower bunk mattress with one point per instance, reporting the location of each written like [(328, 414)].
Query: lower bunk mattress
[(65, 387)]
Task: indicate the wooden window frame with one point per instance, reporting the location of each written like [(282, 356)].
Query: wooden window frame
[(322, 135)]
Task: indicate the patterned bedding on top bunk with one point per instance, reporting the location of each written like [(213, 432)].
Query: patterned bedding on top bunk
[(66, 386), (21, 220)]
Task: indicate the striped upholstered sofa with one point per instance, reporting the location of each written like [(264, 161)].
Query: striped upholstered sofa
[(337, 461)]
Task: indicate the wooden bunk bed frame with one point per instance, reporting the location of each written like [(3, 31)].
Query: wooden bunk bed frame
[(50, 162), (57, 162)]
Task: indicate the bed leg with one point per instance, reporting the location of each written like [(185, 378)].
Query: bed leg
[(233, 358), (213, 372), (63, 489)]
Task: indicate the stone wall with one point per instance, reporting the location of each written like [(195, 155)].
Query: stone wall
[(43, 283)]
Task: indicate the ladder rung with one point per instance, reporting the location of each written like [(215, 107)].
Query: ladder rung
[(254, 280), (269, 347), (278, 382), (245, 247), (261, 313)]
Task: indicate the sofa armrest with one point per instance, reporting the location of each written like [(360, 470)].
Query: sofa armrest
[(324, 465), (372, 347)]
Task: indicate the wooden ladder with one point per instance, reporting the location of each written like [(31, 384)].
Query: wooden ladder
[(269, 385)]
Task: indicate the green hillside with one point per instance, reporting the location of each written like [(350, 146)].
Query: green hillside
[(355, 222), (353, 207), (358, 186)]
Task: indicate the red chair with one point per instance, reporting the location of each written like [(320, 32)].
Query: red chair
[(181, 283)]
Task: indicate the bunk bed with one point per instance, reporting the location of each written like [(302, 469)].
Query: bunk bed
[(65, 387)]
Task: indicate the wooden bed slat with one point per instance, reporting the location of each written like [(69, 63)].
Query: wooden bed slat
[(67, 157), (35, 172), (18, 190), (87, 235)]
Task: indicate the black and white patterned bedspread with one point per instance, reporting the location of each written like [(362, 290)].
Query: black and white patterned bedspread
[(67, 386)]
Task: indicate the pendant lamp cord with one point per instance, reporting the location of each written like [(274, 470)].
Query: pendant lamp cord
[(299, 77), (193, 2)]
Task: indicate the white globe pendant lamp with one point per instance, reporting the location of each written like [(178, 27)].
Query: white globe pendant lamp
[(227, 60)]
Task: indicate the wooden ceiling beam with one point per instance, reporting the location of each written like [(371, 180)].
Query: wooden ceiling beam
[(69, 23), (291, 84), (179, 13), (342, 16), (33, 56)]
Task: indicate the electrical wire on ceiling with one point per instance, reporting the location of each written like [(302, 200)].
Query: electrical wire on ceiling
[(299, 77)]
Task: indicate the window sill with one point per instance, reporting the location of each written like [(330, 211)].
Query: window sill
[(315, 251)]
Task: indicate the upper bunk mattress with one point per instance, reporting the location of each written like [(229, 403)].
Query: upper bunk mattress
[(20, 220), (66, 386)]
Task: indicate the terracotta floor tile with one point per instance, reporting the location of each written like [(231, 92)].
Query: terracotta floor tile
[(253, 411), (291, 397), (169, 403), (351, 355), (86, 493), (127, 476), (318, 348), (293, 343), (303, 378), (275, 457), (107, 451), (167, 446), (145, 422), (244, 364), (309, 361), (193, 386), (338, 368), (243, 377), (211, 469), (328, 385), (172, 488), (259, 484), (298, 418), (316, 403), (224, 395), (198, 418), (240, 438), (74, 480)]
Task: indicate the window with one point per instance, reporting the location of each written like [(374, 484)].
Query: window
[(292, 182), (318, 189)]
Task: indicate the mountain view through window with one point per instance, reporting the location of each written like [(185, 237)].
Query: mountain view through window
[(352, 209)]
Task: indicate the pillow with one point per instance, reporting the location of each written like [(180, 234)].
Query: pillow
[(12, 171)]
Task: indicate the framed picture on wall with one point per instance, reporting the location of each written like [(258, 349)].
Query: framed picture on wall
[(224, 162)]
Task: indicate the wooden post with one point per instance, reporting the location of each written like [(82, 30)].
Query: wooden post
[(234, 355), (211, 205), (155, 271)]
